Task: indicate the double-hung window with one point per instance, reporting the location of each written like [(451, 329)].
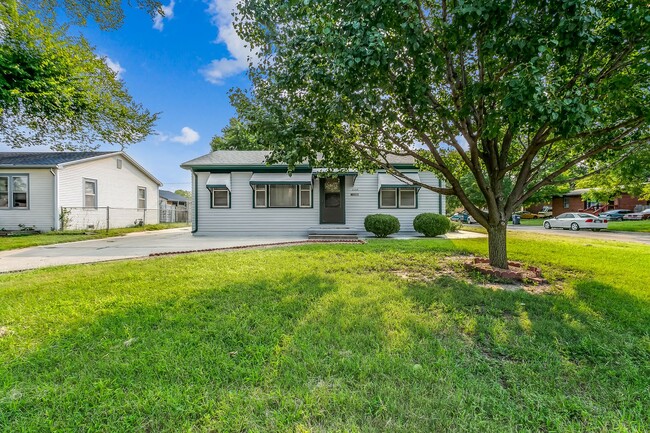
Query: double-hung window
[(90, 193), (388, 198), (14, 191), (260, 195), (402, 198), (142, 197), (220, 197)]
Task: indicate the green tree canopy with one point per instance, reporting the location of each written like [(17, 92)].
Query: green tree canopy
[(541, 92), (56, 91), (236, 136), (631, 177)]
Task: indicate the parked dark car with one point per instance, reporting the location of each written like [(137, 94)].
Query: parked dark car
[(616, 214), (462, 217)]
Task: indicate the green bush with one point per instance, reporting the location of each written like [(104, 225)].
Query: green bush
[(431, 224), (381, 225), (455, 226)]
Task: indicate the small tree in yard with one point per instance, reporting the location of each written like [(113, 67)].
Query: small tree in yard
[(521, 95)]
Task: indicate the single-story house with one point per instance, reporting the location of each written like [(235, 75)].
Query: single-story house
[(173, 207), (75, 190), (572, 201), (238, 192)]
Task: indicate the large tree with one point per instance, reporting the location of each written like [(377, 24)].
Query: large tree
[(54, 89), (236, 135), (528, 93)]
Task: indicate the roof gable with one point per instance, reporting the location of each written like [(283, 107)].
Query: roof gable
[(62, 159)]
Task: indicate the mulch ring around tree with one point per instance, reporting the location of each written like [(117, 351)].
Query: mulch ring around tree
[(516, 271), (477, 271)]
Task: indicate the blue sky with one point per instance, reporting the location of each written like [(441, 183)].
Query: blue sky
[(181, 66)]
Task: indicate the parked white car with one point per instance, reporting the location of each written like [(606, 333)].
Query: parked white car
[(576, 221)]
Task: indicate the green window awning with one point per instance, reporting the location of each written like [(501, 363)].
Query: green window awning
[(218, 180), (281, 179), (389, 181)]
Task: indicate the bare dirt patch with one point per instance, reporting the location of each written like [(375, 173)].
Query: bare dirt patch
[(528, 279)]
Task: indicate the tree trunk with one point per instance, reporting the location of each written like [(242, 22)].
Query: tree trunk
[(497, 245)]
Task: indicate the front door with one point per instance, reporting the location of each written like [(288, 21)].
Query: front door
[(332, 200)]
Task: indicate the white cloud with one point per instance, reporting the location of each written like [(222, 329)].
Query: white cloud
[(115, 67), (168, 11), (222, 17), (188, 136)]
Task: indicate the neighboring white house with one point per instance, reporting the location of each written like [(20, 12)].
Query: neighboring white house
[(75, 190), (237, 192)]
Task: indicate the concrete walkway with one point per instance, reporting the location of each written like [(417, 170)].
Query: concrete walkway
[(133, 245), (141, 244)]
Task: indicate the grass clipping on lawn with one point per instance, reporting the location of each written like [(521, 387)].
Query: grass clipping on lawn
[(327, 338)]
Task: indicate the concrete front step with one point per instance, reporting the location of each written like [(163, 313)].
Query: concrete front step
[(331, 237), (332, 230)]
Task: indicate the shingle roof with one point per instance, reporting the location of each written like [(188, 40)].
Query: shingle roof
[(44, 159), (168, 195), (255, 157)]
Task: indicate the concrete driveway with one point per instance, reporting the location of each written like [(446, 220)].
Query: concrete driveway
[(141, 244), (131, 246), (643, 238)]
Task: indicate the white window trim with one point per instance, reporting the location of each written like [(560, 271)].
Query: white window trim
[(415, 198), (311, 198), (10, 191), (144, 188), (257, 188), (212, 191), (381, 201), (83, 185), (298, 188)]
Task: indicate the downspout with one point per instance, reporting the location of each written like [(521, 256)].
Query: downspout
[(55, 187), (196, 202)]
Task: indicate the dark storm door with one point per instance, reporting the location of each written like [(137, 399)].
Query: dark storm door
[(332, 200)]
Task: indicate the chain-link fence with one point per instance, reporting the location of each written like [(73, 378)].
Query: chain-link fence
[(82, 218)]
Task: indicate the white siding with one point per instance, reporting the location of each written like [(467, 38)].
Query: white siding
[(41, 202), (360, 200), (366, 201), (241, 217), (116, 188)]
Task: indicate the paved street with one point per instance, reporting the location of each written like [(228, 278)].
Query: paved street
[(643, 238)]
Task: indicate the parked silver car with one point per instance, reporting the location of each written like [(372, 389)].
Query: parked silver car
[(576, 221)]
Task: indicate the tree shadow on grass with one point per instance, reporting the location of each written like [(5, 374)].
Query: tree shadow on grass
[(156, 368), (581, 362)]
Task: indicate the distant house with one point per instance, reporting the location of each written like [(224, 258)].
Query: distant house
[(572, 201), (75, 190), (173, 207), (238, 192)]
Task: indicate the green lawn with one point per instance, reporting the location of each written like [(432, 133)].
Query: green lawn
[(15, 242), (327, 338), (629, 226)]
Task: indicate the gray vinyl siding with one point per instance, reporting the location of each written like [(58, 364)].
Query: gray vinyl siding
[(40, 212), (241, 217), (361, 199), (367, 201)]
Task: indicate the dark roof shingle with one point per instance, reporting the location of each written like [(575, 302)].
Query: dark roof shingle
[(45, 159)]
